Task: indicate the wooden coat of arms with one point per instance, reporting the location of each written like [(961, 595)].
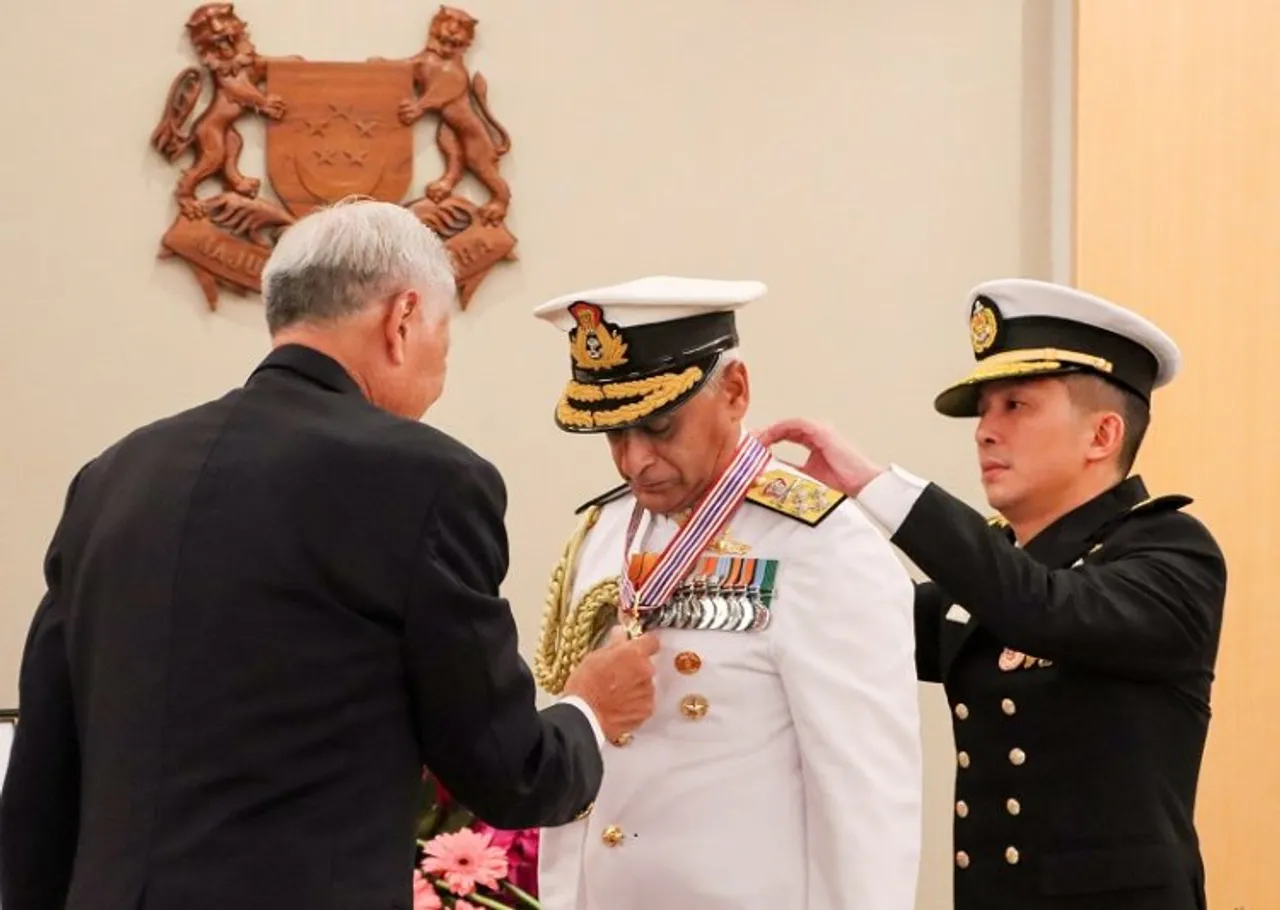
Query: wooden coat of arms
[(334, 130)]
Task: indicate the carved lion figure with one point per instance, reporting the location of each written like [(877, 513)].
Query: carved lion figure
[(468, 135), (221, 40)]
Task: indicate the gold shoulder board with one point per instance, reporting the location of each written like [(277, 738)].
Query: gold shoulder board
[(604, 498), (794, 495)]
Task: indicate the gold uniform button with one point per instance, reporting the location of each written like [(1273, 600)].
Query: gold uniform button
[(962, 711), (963, 759), (962, 860), (622, 739), (612, 836), (1014, 807), (1011, 856), (962, 809), (694, 707), (1008, 707), (688, 662), (1017, 756)]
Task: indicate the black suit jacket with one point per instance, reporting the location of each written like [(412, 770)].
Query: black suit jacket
[(264, 616), (1078, 671)]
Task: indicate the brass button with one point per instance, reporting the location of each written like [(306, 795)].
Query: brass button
[(962, 809), (962, 860), (622, 739), (1013, 807), (1017, 756), (688, 662), (1008, 707), (612, 835), (962, 711), (963, 759), (585, 812), (694, 707), (1011, 856)]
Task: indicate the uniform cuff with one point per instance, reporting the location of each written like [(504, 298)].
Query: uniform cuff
[(890, 497), (591, 716)]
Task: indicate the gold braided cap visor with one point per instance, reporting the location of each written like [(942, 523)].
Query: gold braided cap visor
[(961, 398), (599, 407)]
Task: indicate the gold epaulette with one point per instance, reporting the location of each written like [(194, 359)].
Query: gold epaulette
[(604, 498), (792, 494)]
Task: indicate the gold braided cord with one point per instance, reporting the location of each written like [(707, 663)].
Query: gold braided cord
[(653, 392), (568, 633), (1026, 355), (635, 388)]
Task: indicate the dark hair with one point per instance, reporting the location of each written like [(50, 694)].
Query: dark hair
[(1093, 393)]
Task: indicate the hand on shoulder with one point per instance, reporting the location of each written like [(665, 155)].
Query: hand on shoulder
[(832, 459)]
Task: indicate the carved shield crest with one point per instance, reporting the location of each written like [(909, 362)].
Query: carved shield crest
[(341, 134), (334, 130)]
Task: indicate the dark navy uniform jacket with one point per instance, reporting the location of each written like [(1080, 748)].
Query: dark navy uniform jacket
[(1078, 671)]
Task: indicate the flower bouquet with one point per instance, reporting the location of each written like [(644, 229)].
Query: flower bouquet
[(464, 864)]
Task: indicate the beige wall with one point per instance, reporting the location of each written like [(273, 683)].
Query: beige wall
[(870, 160)]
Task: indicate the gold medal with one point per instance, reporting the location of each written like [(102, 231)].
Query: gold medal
[(1011, 659)]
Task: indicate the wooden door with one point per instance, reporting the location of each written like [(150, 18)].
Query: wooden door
[(1177, 213)]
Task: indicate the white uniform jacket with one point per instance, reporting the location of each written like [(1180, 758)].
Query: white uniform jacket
[(782, 768)]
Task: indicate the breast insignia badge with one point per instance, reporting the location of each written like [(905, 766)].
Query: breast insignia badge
[(1015, 660), (726, 545), (723, 542), (1011, 659)]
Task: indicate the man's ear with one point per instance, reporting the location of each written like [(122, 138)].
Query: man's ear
[(1108, 436), (736, 386), (401, 315)]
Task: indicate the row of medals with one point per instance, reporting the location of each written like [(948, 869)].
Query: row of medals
[(703, 604)]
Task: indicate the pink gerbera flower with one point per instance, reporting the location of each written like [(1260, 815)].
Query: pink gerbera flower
[(521, 847), (424, 893), (465, 859)]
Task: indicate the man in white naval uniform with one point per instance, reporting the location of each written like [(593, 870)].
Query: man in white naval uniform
[(781, 769)]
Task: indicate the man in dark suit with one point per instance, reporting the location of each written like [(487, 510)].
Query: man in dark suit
[(1076, 634), (267, 614)]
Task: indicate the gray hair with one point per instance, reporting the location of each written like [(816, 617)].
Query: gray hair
[(333, 261), (716, 377)]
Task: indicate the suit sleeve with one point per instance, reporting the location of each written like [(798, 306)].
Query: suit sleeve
[(40, 802), (1152, 607), (930, 602), (845, 653), (479, 729)]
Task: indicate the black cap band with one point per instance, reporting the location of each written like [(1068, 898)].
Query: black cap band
[(1110, 355), (664, 347)]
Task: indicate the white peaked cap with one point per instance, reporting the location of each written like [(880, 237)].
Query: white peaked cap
[(1020, 327), (642, 348)]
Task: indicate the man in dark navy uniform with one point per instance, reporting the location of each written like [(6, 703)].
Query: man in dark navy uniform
[(1076, 633)]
